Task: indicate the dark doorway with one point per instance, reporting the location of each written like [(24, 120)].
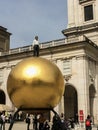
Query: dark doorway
[(92, 93), (70, 102), (2, 97)]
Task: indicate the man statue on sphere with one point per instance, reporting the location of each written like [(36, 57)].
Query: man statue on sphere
[(35, 45)]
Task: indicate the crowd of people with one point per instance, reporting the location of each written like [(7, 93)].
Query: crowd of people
[(40, 122), (58, 122)]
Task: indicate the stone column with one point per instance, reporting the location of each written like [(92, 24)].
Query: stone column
[(82, 86), (71, 14), (61, 106)]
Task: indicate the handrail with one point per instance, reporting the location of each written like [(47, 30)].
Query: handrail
[(43, 45), (29, 48)]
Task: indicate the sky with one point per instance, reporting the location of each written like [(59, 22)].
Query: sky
[(27, 18)]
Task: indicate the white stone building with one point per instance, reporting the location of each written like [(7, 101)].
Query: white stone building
[(76, 55)]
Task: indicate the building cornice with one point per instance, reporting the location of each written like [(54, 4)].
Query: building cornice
[(4, 30), (83, 1), (80, 29)]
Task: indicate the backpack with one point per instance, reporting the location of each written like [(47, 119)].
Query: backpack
[(88, 123)]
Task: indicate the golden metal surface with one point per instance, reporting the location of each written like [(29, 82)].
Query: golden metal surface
[(35, 83)]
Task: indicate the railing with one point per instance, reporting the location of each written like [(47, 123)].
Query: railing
[(44, 45), (29, 48)]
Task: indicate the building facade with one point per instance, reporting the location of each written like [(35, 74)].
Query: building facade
[(76, 56)]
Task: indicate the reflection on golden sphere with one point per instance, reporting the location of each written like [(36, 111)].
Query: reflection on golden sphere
[(35, 83)]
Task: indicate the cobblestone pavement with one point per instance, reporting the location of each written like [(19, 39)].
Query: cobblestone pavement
[(23, 126), (18, 126)]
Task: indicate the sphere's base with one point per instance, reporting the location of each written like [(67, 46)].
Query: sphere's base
[(30, 109)]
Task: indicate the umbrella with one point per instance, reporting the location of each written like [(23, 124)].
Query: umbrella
[(4, 107)]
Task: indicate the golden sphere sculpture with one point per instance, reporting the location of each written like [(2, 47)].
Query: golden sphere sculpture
[(35, 83)]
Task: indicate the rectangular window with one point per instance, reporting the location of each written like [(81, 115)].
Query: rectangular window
[(67, 67), (88, 12)]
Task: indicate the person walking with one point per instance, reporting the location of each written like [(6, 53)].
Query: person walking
[(88, 123), (46, 125), (3, 120), (76, 118), (56, 122), (41, 121), (28, 121), (35, 122), (35, 45), (62, 118)]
